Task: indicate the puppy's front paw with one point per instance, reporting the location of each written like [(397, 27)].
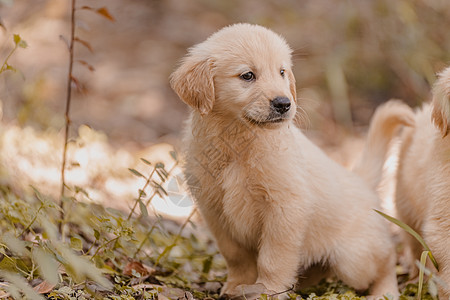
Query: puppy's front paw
[(248, 291)]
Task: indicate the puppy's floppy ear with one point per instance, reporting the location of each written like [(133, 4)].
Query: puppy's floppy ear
[(441, 102), (193, 81), (292, 86)]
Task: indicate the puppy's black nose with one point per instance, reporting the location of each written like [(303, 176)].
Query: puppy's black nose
[(281, 104)]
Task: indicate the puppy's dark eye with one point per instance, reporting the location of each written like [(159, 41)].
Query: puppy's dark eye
[(248, 76), (282, 72)]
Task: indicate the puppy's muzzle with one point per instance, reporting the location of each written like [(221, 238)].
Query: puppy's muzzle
[(280, 105)]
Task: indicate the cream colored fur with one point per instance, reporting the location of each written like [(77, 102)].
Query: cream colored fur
[(275, 202), (423, 180), (383, 127)]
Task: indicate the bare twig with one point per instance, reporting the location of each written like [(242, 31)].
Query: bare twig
[(33, 220), (147, 236), (5, 63), (141, 193), (104, 245), (66, 115)]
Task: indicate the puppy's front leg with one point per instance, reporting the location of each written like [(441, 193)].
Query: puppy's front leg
[(279, 254), (241, 263)]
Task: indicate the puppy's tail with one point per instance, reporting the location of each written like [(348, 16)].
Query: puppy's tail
[(383, 127), (441, 102)]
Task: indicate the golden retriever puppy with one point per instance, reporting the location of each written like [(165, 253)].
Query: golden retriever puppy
[(274, 201), (423, 180)]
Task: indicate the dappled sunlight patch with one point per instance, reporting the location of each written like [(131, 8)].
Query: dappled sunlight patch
[(178, 202), (29, 157)]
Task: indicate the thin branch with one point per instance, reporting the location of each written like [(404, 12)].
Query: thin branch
[(155, 191), (67, 118), (103, 246), (147, 237), (5, 64), (32, 221), (141, 193)]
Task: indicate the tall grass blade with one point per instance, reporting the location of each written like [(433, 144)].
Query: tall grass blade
[(411, 231), (423, 261)]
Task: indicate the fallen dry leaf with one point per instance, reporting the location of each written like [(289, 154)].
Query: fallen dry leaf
[(138, 267), (44, 287)]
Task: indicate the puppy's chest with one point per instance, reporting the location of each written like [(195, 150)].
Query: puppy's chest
[(216, 153), (244, 203), (244, 177)]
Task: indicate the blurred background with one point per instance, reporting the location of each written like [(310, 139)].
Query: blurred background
[(349, 56)]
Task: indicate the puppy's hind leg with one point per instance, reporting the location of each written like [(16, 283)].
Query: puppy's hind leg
[(436, 234), (365, 265), (386, 280)]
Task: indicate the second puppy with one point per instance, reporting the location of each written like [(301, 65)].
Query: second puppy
[(423, 180)]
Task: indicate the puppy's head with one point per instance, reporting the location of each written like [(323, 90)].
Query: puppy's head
[(242, 71), (441, 102)]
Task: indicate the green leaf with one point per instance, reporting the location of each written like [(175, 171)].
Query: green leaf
[(76, 244), (174, 155), (96, 234), (8, 264), (47, 264), (165, 251), (207, 263), (108, 253), (11, 68), (17, 39), (99, 263), (142, 193), (413, 233), (159, 189), (146, 161), (143, 208), (23, 44), (81, 190), (136, 173), (38, 194), (161, 175)]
